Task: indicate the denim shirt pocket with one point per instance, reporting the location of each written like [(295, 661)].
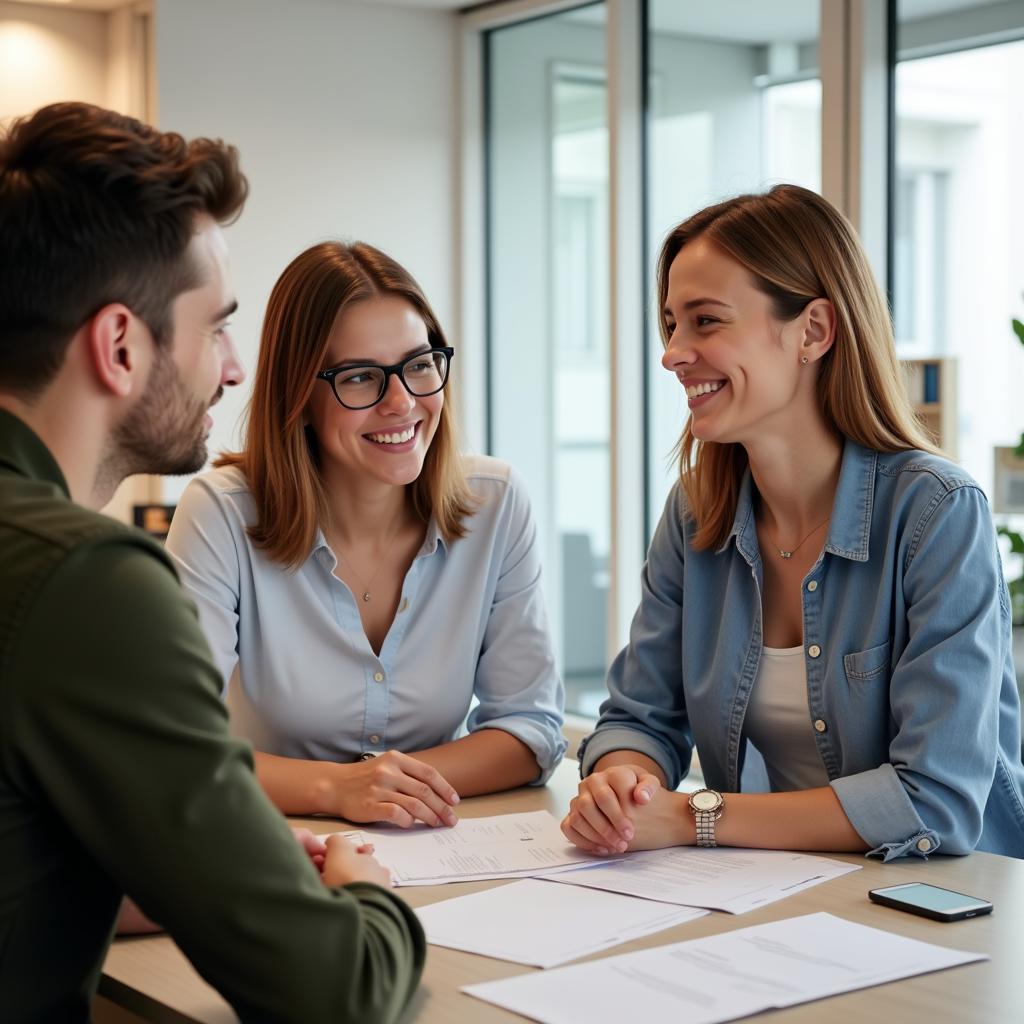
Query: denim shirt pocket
[(864, 666)]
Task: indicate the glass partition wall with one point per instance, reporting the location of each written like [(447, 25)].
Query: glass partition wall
[(734, 105), (547, 206), (734, 97)]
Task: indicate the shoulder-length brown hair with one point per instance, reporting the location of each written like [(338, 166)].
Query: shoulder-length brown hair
[(279, 457), (797, 247)]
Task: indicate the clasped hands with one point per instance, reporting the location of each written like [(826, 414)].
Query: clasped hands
[(626, 808)]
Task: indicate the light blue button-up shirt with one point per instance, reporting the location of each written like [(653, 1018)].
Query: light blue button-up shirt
[(907, 648), (471, 623)]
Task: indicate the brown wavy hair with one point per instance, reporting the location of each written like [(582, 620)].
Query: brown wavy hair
[(97, 207), (279, 457), (797, 247)]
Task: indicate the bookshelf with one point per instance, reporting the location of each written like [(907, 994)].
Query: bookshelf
[(931, 385)]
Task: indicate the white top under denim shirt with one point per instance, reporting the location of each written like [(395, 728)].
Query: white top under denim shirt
[(471, 622), (910, 680)]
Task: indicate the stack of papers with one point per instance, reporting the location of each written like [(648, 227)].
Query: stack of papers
[(503, 846), (541, 924), (720, 879), (722, 977)]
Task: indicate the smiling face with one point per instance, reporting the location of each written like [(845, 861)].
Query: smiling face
[(389, 441), (739, 365)]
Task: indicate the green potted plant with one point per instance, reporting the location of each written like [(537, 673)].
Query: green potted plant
[(1014, 536)]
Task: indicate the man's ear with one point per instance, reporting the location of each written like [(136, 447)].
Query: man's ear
[(115, 337), (819, 329)]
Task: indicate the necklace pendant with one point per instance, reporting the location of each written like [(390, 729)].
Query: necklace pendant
[(366, 596), (785, 554)]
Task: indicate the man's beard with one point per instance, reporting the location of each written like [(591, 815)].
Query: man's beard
[(164, 433)]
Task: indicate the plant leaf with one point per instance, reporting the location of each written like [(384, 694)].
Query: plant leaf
[(1018, 329)]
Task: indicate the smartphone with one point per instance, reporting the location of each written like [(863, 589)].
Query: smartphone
[(930, 901)]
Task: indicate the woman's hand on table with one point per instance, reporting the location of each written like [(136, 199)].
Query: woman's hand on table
[(395, 788), (626, 808)]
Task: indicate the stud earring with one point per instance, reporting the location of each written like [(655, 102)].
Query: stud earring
[(803, 359)]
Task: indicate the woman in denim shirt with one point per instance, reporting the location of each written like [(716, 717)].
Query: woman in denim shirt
[(823, 600)]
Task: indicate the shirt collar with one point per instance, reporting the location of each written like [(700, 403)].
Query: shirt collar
[(23, 452), (322, 550), (850, 526)]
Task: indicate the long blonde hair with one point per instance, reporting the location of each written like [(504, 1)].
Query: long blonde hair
[(797, 247), (279, 457)]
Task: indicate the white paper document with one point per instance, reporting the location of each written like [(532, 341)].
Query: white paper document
[(503, 846), (542, 924), (722, 977), (720, 879)]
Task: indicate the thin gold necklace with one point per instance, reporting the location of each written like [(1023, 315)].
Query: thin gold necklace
[(367, 587), (783, 553)]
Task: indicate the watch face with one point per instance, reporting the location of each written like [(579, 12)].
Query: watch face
[(705, 800)]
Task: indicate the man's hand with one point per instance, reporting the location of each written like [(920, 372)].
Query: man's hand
[(395, 788), (625, 808), (345, 863), (312, 844)]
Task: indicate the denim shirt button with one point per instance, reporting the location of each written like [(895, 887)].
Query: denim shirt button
[(375, 738), (378, 677), (814, 650), (924, 845), (812, 586), (820, 726)]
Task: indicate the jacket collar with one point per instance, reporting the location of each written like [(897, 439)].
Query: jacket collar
[(850, 526), (23, 452)]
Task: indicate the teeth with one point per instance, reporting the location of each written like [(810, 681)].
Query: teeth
[(696, 390), (406, 435)]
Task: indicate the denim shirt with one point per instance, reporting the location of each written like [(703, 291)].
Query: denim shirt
[(907, 648)]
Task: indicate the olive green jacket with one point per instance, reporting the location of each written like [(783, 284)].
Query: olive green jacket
[(118, 775)]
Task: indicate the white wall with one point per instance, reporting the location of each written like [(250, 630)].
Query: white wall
[(50, 54), (344, 114)]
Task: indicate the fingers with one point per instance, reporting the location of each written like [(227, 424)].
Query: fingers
[(345, 863), (418, 790), (647, 785), (428, 775), (312, 844), (580, 834)]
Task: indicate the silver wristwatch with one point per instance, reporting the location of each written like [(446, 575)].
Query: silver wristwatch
[(707, 806)]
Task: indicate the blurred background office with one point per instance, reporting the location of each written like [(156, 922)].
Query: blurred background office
[(524, 160)]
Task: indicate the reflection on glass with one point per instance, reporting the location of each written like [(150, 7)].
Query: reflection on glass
[(959, 264), (735, 106), (548, 247)]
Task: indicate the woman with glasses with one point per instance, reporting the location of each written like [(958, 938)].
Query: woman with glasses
[(823, 612), (367, 581)]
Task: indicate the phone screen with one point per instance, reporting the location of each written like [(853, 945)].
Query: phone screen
[(931, 898)]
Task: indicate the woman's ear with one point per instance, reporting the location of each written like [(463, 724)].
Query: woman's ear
[(819, 330), (116, 341)]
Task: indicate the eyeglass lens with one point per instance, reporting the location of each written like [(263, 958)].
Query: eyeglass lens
[(363, 385)]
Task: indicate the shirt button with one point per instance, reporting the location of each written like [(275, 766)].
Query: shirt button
[(820, 726), (812, 586), (814, 650), (404, 604), (378, 677), (924, 845), (375, 738)]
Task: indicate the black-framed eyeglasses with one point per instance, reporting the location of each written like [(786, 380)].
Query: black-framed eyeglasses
[(359, 387)]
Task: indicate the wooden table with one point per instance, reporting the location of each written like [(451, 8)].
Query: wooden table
[(150, 977)]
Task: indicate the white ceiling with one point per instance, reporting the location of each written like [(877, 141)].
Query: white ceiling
[(750, 21)]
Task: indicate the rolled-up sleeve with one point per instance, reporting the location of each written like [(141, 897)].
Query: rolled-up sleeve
[(517, 682), (646, 708), (944, 691)]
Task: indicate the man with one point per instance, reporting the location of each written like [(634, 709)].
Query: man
[(117, 774)]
